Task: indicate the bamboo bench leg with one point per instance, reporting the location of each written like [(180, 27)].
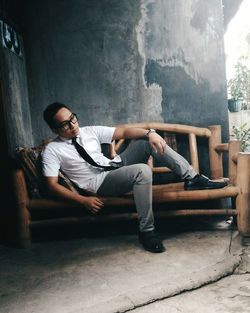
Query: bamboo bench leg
[(23, 215), (24, 236), (243, 198)]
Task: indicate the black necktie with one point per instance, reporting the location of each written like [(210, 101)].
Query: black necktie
[(83, 153)]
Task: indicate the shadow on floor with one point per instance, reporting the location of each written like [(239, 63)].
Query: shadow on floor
[(165, 228)]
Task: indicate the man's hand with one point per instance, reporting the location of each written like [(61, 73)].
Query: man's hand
[(93, 204), (157, 142)]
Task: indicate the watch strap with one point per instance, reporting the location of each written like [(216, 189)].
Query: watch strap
[(151, 130)]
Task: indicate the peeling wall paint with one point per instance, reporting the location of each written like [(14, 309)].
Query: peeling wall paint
[(184, 53), (125, 61), (188, 34), (152, 94)]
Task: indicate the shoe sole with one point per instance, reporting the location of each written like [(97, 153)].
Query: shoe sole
[(155, 251), (204, 188), (152, 250)]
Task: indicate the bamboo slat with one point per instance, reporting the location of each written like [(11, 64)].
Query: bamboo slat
[(195, 195), (234, 148), (168, 187), (130, 216), (215, 158), (243, 199), (84, 219), (162, 169), (39, 204), (196, 212), (193, 152), (223, 147)]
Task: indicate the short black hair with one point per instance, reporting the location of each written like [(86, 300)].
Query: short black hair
[(50, 112)]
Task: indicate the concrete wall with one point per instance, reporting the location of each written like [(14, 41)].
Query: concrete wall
[(126, 61), (187, 61), (85, 54), (116, 62)]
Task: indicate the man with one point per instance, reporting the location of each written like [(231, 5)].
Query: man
[(92, 171)]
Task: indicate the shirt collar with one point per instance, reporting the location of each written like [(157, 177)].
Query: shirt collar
[(67, 140)]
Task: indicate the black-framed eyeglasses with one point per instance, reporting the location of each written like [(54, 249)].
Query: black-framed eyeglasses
[(65, 125)]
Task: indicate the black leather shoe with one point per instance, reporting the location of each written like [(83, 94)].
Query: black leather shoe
[(202, 182), (151, 242)]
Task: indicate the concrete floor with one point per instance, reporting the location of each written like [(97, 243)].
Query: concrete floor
[(204, 269), (230, 294)]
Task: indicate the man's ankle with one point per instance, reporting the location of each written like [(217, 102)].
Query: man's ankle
[(196, 176)]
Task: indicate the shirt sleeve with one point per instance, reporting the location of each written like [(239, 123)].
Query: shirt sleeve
[(104, 133), (50, 163)]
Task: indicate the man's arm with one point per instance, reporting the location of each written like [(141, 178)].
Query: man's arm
[(93, 204), (156, 141)]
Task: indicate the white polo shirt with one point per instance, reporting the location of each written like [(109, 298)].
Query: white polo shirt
[(62, 154)]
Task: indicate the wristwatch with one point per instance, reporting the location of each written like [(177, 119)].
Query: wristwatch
[(151, 130)]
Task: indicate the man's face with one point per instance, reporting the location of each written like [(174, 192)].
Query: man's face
[(66, 124)]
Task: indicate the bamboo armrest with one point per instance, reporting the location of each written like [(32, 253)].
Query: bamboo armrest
[(173, 128)]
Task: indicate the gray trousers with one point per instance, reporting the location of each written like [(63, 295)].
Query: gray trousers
[(135, 175)]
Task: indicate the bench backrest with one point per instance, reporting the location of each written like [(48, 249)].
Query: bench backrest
[(28, 156), (191, 131)]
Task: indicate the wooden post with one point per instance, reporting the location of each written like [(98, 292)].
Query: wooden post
[(23, 216), (234, 147), (193, 152), (243, 198), (216, 169)]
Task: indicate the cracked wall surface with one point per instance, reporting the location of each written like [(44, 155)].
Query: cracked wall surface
[(185, 57), (126, 61)]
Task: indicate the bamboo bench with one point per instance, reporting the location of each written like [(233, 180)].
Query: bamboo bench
[(32, 212)]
